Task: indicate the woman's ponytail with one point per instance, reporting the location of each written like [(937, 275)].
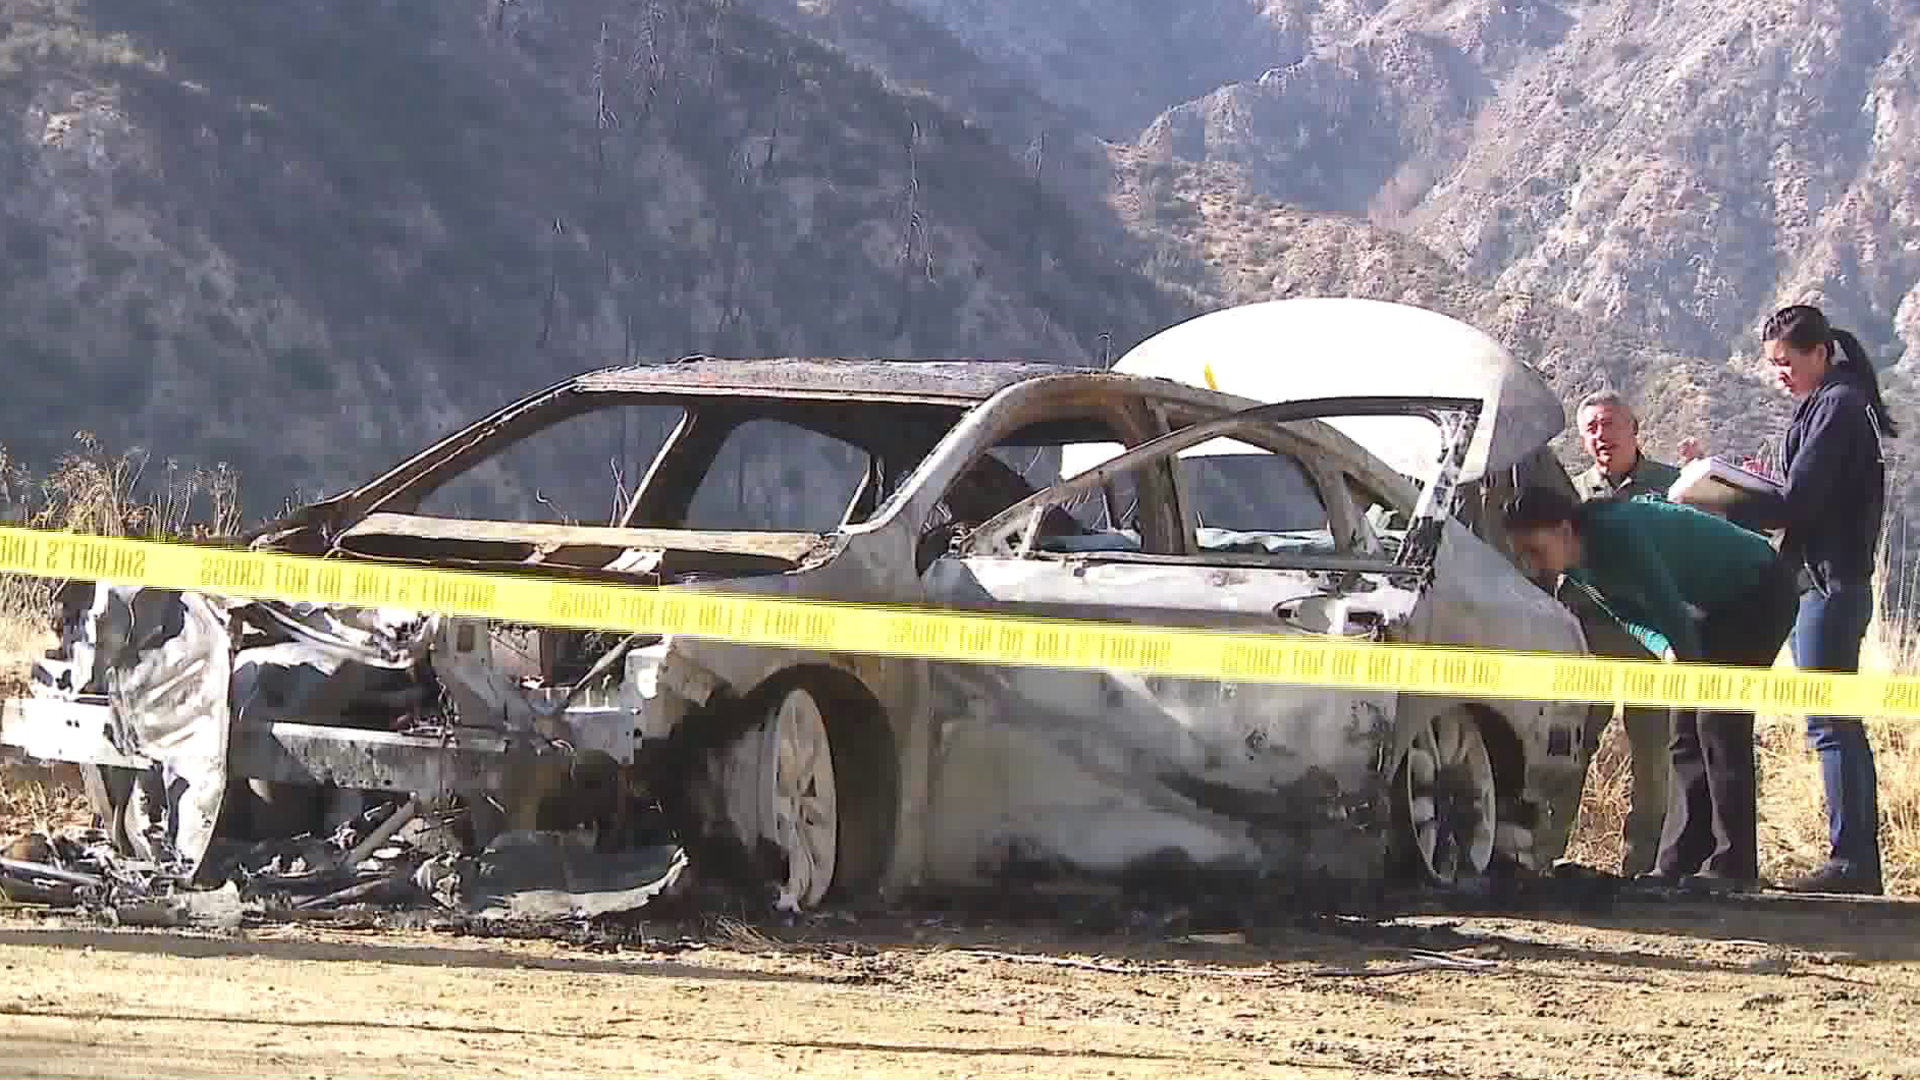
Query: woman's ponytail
[(1860, 368)]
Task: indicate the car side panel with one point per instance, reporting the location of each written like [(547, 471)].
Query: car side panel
[(1041, 770)]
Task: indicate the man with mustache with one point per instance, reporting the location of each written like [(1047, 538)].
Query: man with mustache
[(1611, 434)]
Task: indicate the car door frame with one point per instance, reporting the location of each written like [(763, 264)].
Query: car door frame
[(1063, 584), (1458, 418)]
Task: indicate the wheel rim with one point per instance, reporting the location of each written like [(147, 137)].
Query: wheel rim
[(806, 810), (1450, 798)]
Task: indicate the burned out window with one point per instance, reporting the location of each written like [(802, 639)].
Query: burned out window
[(1118, 515), (578, 471), (1031, 460), (774, 476), (1115, 507), (1247, 499), (1387, 522)]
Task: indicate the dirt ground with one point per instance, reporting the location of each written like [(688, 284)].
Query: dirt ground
[(1683, 990)]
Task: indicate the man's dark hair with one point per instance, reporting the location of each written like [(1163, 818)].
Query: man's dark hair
[(1805, 327)]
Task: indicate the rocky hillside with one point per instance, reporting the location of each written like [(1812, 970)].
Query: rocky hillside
[(1621, 189), (1677, 168), (309, 236), (1674, 167), (1669, 172), (1122, 62), (1216, 241)]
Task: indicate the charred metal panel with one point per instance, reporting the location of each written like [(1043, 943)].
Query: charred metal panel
[(94, 623), (51, 729), (1177, 591), (843, 379), (316, 754), (168, 686), (580, 546), (1094, 777)]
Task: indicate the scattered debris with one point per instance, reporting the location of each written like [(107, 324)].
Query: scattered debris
[(1570, 870), (211, 909), (536, 876), (391, 856)]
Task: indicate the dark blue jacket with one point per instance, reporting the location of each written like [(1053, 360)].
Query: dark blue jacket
[(1836, 482)]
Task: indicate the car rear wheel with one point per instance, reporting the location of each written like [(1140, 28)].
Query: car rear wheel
[(1446, 804)]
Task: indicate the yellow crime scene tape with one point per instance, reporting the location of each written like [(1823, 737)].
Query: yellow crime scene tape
[(835, 626)]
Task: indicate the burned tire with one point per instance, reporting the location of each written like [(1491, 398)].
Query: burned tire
[(808, 788), (1445, 802)]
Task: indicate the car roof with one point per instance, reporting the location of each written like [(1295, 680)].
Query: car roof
[(947, 381), (941, 385)]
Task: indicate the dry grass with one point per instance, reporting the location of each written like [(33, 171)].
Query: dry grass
[(90, 491), (1603, 804), (41, 800), (1793, 822)]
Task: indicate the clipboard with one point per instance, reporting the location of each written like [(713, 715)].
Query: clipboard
[(1718, 486)]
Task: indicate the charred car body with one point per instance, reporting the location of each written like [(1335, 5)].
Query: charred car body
[(885, 481)]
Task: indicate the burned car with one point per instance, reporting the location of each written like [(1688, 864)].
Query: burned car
[(939, 483)]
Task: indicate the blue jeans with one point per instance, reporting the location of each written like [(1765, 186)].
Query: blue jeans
[(1826, 637)]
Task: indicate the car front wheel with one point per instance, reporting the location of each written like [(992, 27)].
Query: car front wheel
[(1445, 801), (781, 787)]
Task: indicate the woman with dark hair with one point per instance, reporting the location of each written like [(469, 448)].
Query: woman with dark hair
[(1693, 588), (1831, 505)]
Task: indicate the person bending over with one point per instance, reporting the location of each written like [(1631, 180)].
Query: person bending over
[(1694, 588)]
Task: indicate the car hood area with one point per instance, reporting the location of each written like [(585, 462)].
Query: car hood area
[(370, 699), (1327, 347)]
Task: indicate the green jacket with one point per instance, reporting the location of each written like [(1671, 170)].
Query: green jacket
[(1647, 477), (1648, 561)]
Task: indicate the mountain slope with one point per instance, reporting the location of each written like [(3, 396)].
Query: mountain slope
[(1121, 61), (1678, 168), (915, 54), (241, 230), (1220, 244)]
